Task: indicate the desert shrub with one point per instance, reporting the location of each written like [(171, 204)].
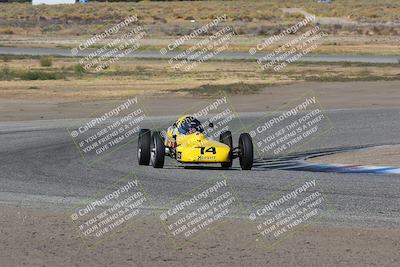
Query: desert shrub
[(46, 61), (12, 74), (5, 73), (5, 58), (79, 70), (240, 88), (7, 31), (37, 75)]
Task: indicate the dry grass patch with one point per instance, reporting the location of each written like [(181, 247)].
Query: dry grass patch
[(151, 77)]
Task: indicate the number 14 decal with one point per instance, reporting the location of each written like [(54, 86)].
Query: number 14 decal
[(203, 150)]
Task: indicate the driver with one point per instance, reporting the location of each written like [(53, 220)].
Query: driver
[(189, 125), (185, 125)]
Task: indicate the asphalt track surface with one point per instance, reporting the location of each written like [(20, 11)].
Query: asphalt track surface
[(41, 167), (221, 56)]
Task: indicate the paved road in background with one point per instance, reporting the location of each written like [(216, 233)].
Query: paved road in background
[(222, 56)]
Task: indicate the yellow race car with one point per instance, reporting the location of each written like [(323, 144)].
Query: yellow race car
[(186, 142)]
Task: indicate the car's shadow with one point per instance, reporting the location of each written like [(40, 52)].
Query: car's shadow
[(259, 165), (215, 168), (210, 168), (200, 167)]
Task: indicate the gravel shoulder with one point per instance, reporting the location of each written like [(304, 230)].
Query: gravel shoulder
[(331, 95), (43, 238)]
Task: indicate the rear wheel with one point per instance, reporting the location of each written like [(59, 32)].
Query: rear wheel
[(245, 151), (157, 151), (226, 138), (143, 148)]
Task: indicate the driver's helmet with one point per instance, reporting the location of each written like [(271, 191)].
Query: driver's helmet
[(189, 125)]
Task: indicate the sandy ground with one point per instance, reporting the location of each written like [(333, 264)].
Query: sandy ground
[(331, 95), (32, 237), (321, 20), (388, 156)]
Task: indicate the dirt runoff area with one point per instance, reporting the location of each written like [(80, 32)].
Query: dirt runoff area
[(385, 156), (331, 95), (31, 237)]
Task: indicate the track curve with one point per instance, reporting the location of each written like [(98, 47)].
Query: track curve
[(40, 166)]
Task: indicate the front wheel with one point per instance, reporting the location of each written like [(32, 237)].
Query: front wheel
[(143, 147), (157, 151), (226, 138), (245, 151)]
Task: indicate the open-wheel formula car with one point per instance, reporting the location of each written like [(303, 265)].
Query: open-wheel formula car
[(186, 142)]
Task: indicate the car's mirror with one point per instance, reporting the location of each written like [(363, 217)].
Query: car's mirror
[(211, 125)]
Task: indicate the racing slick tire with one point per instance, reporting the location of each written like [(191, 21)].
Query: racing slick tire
[(157, 150), (245, 151), (143, 148), (226, 138)]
